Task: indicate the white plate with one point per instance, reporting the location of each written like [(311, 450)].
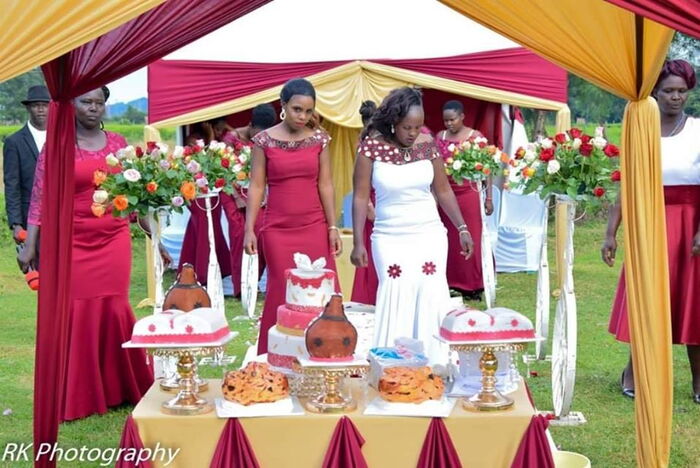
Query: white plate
[(427, 409), (289, 406)]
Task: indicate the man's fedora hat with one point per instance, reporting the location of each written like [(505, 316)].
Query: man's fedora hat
[(37, 94)]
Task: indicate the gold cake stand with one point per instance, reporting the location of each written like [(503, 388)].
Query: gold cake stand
[(488, 398), (331, 399)]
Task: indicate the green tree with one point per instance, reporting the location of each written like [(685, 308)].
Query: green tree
[(13, 91), (133, 115)]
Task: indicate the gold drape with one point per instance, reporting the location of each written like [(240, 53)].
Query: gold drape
[(34, 32), (342, 148), (611, 48)]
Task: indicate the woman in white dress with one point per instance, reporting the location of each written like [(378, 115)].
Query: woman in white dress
[(409, 241)]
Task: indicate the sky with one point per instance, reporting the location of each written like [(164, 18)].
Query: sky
[(130, 87)]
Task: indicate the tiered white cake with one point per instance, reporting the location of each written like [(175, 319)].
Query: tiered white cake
[(174, 327)]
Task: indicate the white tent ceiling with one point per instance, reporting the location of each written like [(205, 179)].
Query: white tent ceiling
[(326, 30)]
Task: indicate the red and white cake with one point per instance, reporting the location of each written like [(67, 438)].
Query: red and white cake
[(496, 324), (309, 288), (175, 327)]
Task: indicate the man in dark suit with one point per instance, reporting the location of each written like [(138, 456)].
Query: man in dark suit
[(20, 153)]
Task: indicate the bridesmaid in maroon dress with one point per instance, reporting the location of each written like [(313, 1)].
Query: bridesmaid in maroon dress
[(294, 161), (465, 277), (263, 117), (100, 374), (365, 284)]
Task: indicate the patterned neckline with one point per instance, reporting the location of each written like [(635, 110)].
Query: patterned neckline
[(265, 140), (385, 152)]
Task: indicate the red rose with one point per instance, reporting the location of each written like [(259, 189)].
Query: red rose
[(238, 146), (187, 151), (196, 148), (204, 189), (220, 182), (199, 175), (139, 152), (611, 150), (615, 176), (546, 154), (478, 166), (575, 133), (585, 138), (599, 191), (150, 146), (560, 138), (482, 144), (151, 187), (586, 149), (225, 163)]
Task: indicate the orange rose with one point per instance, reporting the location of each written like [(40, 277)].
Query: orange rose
[(528, 172), (188, 190), (151, 187), (241, 175), (492, 150), (120, 202), (504, 157), (98, 209), (98, 177)]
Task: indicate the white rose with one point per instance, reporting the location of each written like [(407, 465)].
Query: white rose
[(599, 142), (531, 147), (466, 144), (451, 148), (243, 157), (576, 143), (100, 196), (478, 140), (132, 175), (111, 160), (535, 164), (193, 167), (546, 143), (553, 166), (155, 154), (200, 143), (237, 167), (178, 151), (121, 153), (497, 157), (530, 156), (599, 132), (163, 148), (130, 152), (457, 165)]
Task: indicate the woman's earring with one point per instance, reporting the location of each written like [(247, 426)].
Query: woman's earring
[(283, 114), (102, 125), (392, 129)]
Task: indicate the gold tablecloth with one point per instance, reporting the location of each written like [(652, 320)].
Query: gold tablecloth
[(481, 439), (345, 269)]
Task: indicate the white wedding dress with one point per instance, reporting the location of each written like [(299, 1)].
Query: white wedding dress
[(409, 248)]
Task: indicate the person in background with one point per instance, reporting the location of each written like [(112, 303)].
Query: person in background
[(99, 374), (465, 277), (409, 241), (680, 169), (262, 117), (20, 153), (365, 284), (294, 162)]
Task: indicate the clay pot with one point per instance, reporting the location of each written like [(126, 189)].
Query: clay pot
[(186, 294), (331, 336)]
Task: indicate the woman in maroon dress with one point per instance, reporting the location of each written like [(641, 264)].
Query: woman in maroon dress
[(263, 117), (680, 170), (99, 374), (465, 277), (293, 160), (365, 284)]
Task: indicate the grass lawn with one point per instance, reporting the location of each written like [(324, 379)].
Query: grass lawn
[(607, 439)]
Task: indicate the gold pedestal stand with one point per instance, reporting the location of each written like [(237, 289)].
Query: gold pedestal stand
[(172, 384), (187, 402), (488, 398), (331, 400)]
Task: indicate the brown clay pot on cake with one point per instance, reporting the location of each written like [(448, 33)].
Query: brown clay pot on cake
[(331, 336), (186, 294)]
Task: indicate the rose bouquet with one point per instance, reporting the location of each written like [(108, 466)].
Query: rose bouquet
[(573, 164), (140, 179), (475, 160)]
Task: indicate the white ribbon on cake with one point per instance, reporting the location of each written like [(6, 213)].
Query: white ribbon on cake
[(304, 263)]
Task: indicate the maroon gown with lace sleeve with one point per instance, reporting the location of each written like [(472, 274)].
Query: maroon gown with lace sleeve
[(100, 374)]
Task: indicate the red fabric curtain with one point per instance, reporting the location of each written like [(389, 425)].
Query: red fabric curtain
[(233, 449), (438, 450), (517, 70), (681, 15), (107, 58), (131, 440), (534, 450), (345, 449), (176, 87)]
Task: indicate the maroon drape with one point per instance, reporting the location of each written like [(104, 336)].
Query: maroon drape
[(438, 450), (681, 15), (131, 440), (345, 449), (534, 450), (176, 87), (233, 449), (107, 58)]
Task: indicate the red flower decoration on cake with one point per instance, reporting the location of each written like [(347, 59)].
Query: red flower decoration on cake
[(471, 322), (514, 323), (429, 268), (189, 329), (394, 271), (151, 328)]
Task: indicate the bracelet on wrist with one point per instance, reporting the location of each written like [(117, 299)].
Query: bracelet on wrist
[(462, 227), (333, 228)]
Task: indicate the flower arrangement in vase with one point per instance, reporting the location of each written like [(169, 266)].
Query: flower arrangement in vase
[(476, 160)]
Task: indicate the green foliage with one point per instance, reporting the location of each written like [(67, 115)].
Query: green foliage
[(13, 91), (133, 115)]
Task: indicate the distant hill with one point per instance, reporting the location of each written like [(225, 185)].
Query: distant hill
[(116, 110)]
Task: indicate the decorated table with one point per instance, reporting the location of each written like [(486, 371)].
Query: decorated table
[(515, 437)]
